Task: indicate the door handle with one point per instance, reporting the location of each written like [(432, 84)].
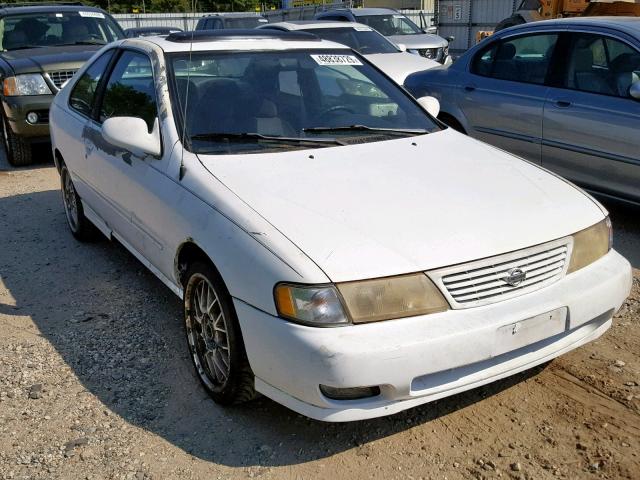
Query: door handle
[(563, 103), (470, 88)]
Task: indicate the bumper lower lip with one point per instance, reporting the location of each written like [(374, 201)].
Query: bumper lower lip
[(16, 109), (420, 359)]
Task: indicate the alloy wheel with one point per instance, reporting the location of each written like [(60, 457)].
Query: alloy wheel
[(207, 333)]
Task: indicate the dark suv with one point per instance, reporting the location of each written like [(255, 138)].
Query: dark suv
[(41, 46), (219, 21)]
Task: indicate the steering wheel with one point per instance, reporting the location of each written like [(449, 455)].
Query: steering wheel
[(335, 108)]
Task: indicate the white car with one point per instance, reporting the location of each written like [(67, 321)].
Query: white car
[(389, 58), (337, 249)]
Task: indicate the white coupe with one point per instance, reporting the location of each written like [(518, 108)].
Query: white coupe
[(337, 248)]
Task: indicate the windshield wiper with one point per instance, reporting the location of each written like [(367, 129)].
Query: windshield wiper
[(365, 128), (240, 137)]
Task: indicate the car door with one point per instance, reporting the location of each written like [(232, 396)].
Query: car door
[(503, 95), (73, 147), (134, 183), (590, 126)]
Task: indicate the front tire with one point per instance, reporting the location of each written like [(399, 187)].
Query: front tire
[(18, 149), (80, 226), (214, 337)]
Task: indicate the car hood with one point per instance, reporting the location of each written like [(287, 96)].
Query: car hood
[(400, 65), (46, 59), (405, 205), (419, 40)]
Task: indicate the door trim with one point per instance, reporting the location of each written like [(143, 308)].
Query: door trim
[(591, 152)]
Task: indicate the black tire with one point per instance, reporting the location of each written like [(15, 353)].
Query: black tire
[(451, 122), (18, 149), (80, 226), (509, 22), (237, 386)]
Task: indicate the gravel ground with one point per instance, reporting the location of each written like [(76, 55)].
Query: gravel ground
[(95, 383)]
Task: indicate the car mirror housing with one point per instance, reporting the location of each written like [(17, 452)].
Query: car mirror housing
[(402, 47), (131, 133), (634, 90), (430, 104)]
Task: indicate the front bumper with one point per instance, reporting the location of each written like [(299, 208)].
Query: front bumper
[(420, 359), (16, 109)]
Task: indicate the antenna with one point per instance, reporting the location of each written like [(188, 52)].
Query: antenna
[(186, 98)]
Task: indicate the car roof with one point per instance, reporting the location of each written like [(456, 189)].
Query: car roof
[(630, 25), (358, 12), (239, 40), (313, 24), (47, 7)]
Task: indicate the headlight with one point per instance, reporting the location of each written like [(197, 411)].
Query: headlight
[(27, 84), (590, 244), (361, 301), (315, 305), (393, 297)]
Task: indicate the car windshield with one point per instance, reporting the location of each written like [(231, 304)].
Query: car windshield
[(243, 102), (244, 22), (366, 42), (51, 29), (389, 25)]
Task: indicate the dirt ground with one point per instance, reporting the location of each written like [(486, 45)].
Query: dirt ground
[(95, 383)]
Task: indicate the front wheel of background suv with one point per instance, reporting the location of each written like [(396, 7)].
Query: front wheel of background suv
[(18, 149)]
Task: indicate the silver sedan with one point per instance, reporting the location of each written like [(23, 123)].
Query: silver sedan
[(561, 93)]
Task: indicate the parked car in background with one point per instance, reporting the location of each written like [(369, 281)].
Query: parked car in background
[(562, 93), (336, 248), (397, 27), (41, 47), (150, 31), (364, 40), (219, 21)]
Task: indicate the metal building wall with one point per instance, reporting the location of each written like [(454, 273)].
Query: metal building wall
[(463, 19)]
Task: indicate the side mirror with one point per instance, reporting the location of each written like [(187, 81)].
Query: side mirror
[(634, 90), (402, 47), (450, 38), (131, 133), (430, 104), (431, 30)]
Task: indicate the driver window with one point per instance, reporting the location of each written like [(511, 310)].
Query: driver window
[(602, 65), (130, 91)]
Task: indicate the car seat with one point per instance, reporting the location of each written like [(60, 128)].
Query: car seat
[(582, 75), (504, 66)]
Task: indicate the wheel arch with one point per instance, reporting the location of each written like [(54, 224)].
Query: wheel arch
[(452, 121), (187, 253), (58, 160)]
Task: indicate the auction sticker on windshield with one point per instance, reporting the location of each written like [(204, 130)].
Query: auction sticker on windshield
[(91, 14), (336, 60)]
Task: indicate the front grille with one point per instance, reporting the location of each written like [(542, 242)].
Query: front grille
[(60, 76), (487, 281), (436, 54)]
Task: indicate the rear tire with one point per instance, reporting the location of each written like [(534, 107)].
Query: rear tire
[(18, 149), (509, 22), (451, 122), (214, 337), (80, 226)]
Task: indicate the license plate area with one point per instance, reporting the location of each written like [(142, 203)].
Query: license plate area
[(531, 330)]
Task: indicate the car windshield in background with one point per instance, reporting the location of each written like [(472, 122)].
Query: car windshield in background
[(244, 22), (364, 41), (50, 29), (389, 25), (246, 102)]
